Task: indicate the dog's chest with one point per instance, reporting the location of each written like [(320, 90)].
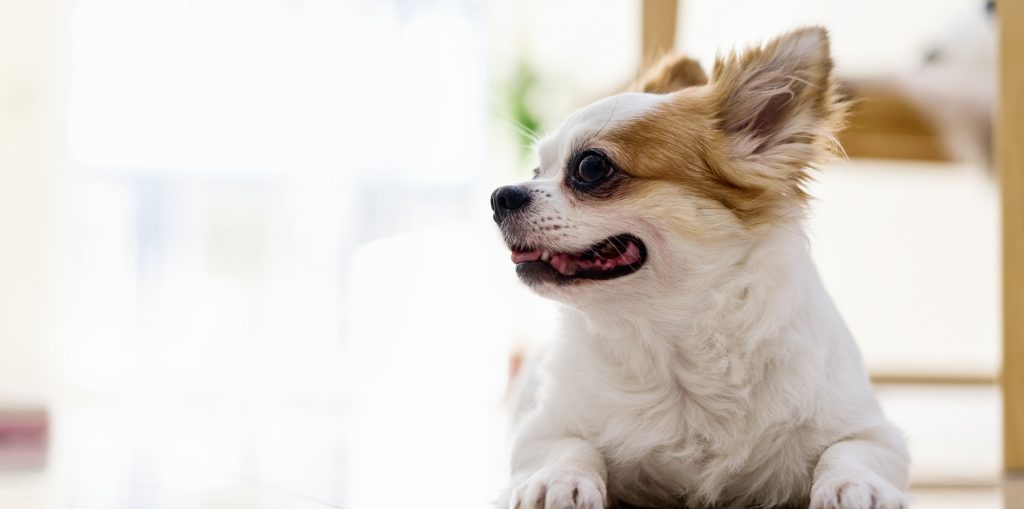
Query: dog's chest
[(663, 443)]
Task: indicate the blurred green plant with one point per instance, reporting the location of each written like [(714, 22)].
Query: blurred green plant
[(518, 108)]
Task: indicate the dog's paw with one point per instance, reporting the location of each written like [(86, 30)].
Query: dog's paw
[(560, 488), (848, 493)]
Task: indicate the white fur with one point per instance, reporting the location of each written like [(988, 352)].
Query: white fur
[(718, 375)]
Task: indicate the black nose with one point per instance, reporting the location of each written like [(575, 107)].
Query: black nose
[(504, 200)]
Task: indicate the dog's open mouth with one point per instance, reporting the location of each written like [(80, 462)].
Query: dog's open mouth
[(611, 258)]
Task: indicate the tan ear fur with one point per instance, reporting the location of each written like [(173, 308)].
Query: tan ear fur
[(671, 73), (779, 109)]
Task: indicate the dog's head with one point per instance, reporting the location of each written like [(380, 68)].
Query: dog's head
[(640, 191)]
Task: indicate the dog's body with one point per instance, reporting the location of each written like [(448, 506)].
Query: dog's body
[(703, 364)]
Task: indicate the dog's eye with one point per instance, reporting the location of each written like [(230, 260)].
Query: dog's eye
[(593, 168)]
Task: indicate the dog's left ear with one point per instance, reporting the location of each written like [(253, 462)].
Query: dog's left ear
[(671, 73), (778, 108)]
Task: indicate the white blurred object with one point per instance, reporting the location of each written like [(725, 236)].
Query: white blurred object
[(956, 85)]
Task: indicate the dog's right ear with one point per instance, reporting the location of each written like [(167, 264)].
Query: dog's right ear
[(671, 73)]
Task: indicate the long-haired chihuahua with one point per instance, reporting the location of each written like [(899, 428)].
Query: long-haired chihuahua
[(702, 364)]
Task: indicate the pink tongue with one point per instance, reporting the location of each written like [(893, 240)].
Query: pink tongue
[(525, 256)]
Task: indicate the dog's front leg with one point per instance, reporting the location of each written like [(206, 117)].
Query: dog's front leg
[(866, 471), (556, 473)]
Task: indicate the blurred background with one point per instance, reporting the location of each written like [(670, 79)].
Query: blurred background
[(246, 256)]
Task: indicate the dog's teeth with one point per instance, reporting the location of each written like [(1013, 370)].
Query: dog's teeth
[(546, 255)]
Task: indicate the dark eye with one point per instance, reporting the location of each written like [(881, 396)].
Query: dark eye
[(593, 168)]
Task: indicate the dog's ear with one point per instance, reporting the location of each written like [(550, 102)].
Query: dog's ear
[(778, 108), (671, 73)]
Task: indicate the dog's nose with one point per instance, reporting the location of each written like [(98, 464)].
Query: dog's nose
[(505, 200)]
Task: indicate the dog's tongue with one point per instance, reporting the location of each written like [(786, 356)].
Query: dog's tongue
[(525, 256)]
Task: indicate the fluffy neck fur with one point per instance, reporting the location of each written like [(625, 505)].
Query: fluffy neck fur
[(732, 303)]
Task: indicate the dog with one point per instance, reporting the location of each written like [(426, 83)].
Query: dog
[(702, 362)]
